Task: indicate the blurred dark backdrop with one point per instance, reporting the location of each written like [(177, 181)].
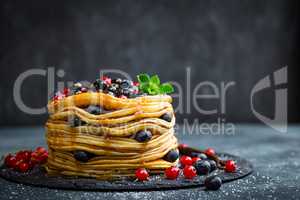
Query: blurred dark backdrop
[(241, 41)]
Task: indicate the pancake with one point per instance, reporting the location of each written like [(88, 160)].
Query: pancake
[(109, 137)]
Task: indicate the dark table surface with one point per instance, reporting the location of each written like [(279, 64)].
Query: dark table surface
[(275, 157)]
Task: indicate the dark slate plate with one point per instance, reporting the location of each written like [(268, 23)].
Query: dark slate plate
[(38, 177)]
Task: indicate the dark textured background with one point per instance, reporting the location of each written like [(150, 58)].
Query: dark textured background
[(240, 41)]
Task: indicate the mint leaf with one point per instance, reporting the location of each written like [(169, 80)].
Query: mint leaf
[(166, 88), (143, 86), (151, 91), (152, 86), (155, 80), (143, 78)]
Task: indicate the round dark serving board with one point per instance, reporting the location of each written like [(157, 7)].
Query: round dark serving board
[(38, 177)]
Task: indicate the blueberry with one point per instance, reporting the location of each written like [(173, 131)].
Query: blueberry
[(82, 156), (125, 84), (213, 165), (118, 80), (111, 93), (202, 156), (143, 136), (100, 85), (132, 95), (114, 85), (202, 167), (112, 89), (76, 88), (95, 110), (125, 92), (194, 154), (167, 117), (76, 121), (213, 183), (171, 156)]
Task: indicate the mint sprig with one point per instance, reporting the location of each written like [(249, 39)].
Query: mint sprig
[(152, 86)]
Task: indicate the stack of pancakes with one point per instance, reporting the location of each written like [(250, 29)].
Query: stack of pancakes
[(109, 136)]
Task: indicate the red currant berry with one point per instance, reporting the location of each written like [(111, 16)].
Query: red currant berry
[(23, 167), (20, 156), (26, 155), (210, 152), (195, 159), (31, 164), (141, 174), (10, 161), (7, 158), (172, 173), (186, 160), (182, 146), (123, 97), (66, 92), (55, 98), (136, 83), (83, 89), (106, 80), (34, 155), (40, 150), (189, 172), (58, 96), (43, 158), (230, 166)]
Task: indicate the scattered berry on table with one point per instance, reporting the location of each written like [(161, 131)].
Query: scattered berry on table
[(210, 152), (23, 167), (230, 166), (189, 172), (40, 150), (143, 136), (142, 174), (186, 160), (23, 161), (213, 183), (213, 165), (202, 156), (202, 167), (40, 155), (195, 159), (182, 146), (172, 173), (23, 156), (10, 161), (194, 154)]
